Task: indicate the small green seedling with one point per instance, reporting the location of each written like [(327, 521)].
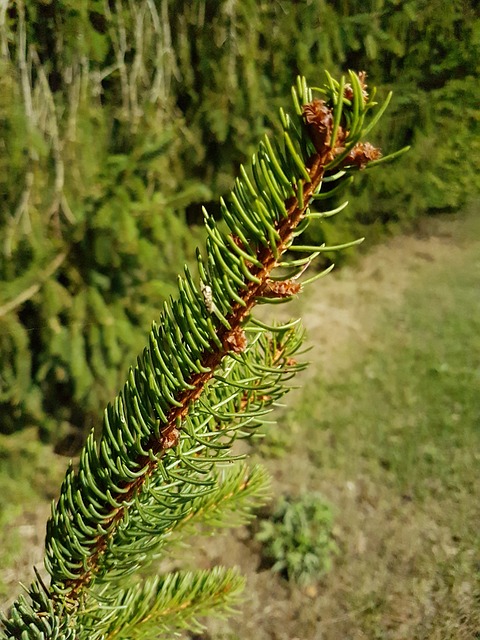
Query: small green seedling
[(298, 538)]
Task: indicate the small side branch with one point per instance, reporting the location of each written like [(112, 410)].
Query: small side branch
[(34, 288)]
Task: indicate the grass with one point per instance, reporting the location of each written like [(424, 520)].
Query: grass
[(398, 428), (387, 428), (408, 410)]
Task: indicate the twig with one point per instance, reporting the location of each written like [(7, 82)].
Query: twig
[(59, 202), (22, 65), (230, 12), (165, 56), (34, 288), (119, 41), (3, 31), (22, 207), (137, 67)]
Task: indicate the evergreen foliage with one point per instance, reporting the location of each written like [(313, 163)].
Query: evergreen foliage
[(209, 375), (86, 257)]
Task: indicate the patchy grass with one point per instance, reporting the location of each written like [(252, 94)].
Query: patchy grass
[(408, 411), (399, 429)]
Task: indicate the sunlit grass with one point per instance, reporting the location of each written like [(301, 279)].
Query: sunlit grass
[(398, 429), (410, 406), (386, 426)]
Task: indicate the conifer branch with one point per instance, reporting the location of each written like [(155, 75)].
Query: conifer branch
[(210, 372), (155, 606)]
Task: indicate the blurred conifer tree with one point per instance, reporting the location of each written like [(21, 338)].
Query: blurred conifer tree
[(120, 118)]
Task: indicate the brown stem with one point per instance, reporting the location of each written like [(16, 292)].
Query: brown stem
[(211, 361)]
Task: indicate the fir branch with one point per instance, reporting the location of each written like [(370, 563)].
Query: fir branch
[(237, 492), (39, 617), (208, 375), (196, 334), (231, 407), (161, 604)]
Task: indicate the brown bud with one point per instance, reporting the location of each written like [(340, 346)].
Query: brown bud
[(235, 341), (348, 91), (281, 289), (361, 154), (237, 240), (340, 141), (170, 438), (319, 120)]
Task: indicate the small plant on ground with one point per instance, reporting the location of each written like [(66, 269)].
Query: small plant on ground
[(297, 539)]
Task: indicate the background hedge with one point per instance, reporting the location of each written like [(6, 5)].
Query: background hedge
[(119, 119)]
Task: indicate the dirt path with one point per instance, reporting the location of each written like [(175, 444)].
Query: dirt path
[(340, 311)]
